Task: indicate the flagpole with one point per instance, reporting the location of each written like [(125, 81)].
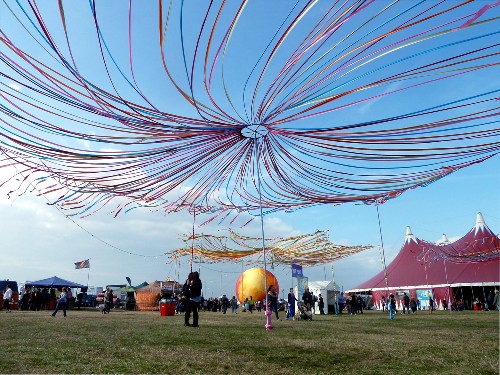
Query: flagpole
[(88, 276), (335, 297)]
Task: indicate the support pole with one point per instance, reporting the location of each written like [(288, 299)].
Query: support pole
[(192, 241), (269, 325), (335, 298), (382, 255), (88, 276), (449, 286)]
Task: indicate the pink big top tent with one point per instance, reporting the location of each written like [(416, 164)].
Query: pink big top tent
[(472, 261)]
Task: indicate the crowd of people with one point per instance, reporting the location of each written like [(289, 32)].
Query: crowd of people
[(224, 304), (407, 303), (37, 299), (353, 304), (190, 301)]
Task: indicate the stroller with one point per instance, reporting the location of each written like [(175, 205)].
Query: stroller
[(304, 312)]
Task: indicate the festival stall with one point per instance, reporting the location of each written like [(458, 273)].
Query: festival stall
[(53, 283), (327, 289), (148, 297)]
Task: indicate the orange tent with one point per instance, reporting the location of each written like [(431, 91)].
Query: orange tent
[(147, 298)]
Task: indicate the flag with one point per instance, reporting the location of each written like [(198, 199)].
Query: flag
[(129, 281), (296, 270), (82, 264)]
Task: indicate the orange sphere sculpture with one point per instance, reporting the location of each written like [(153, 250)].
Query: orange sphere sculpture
[(251, 283)]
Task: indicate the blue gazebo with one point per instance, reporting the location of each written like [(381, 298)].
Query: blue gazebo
[(54, 282)]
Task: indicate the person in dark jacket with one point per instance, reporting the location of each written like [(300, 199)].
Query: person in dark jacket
[(224, 303), (195, 296), (272, 300), (195, 287), (185, 299), (392, 306), (108, 303), (406, 303), (307, 298), (321, 305), (413, 305)]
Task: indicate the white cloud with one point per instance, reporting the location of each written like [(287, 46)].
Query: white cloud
[(14, 86), (367, 106)]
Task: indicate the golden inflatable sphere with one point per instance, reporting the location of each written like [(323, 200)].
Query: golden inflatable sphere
[(251, 283)]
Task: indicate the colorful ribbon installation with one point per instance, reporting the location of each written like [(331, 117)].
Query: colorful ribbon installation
[(478, 245), (476, 251), (184, 104), (307, 249)]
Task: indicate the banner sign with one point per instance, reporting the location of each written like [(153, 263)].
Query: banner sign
[(423, 297), (296, 270), (302, 285)]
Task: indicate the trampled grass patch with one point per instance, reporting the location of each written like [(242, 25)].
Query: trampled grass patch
[(145, 342)]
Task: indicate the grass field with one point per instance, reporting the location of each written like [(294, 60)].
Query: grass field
[(145, 342)]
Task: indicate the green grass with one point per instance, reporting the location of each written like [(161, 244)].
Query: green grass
[(144, 342)]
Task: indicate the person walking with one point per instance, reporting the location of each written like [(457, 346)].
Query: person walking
[(392, 306), (413, 305), (105, 300), (61, 303), (7, 297), (272, 296), (496, 300), (406, 303), (431, 305), (291, 305), (251, 304), (109, 301), (383, 303), (234, 305), (224, 302), (321, 305)]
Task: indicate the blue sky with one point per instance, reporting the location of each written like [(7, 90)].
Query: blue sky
[(39, 241)]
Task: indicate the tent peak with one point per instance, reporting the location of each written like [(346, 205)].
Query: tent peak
[(409, 235), (480, 224), (480, 219), (444, 240)]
